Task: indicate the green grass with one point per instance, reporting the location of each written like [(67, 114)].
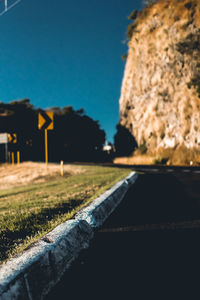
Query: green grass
[(29, 212)]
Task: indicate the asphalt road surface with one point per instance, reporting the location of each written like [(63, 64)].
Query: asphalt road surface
[(149, 248)]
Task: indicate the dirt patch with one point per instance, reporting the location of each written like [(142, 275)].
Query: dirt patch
[(31, 172)]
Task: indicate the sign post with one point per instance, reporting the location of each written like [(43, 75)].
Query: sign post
[(13, 158), (46, 147), (61, 168), (18, 157), (6, 152), (12, 139), (4, 140), (45, 122)]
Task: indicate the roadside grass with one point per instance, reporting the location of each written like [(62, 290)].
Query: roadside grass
[(28, 212)]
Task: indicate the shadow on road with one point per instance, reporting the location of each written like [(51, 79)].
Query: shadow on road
[(155, 199), (158, 264)]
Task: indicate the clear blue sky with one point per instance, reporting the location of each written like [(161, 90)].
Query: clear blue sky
[(66, 52)]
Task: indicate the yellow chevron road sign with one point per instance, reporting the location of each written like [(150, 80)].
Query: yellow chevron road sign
[(45, 120), (12, 138)]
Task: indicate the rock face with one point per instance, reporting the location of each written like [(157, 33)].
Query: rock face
[(160, 94)]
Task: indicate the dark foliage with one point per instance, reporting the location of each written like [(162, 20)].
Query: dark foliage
[(188, 5), (190, 44), (76, 136), (143, 147), (124, 142), (131, 30), (133, 15), (124, 57), (195, 82)]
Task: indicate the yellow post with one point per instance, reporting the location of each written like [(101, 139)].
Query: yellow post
[(18, 157), (61, 168), (46, 148), (13, 158)]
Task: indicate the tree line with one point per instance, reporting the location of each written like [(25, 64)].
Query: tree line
[(76, 136)]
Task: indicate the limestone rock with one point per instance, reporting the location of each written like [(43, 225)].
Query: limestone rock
[(160, 94)]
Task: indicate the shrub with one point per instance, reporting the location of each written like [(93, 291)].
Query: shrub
[(161, 160), (131, 29), (143, 147), (124, 57), (133, 15), (195, 82), (190, 44), (176, 18), (188, 5)]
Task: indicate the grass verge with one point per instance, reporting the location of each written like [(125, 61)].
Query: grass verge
[(29, 212)]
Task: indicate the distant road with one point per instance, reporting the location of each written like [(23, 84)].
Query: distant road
[(147, 168), (149, 248)]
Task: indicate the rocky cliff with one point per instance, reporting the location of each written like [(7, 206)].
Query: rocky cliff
[(160, 94)]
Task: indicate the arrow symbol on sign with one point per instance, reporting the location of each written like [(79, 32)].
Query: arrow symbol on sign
[(45, 120), (12, 138)]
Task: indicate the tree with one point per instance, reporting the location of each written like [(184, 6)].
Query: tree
[(76, 136), (124, 142)]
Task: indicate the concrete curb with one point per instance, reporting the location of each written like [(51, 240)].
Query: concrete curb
[(36, 270), (33, 273), (100, 209)]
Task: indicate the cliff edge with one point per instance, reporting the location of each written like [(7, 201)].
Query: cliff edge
[(160, 94)]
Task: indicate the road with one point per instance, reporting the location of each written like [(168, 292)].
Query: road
[(150, 246)]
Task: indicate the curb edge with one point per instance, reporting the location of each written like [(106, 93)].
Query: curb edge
[(47, 259)]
